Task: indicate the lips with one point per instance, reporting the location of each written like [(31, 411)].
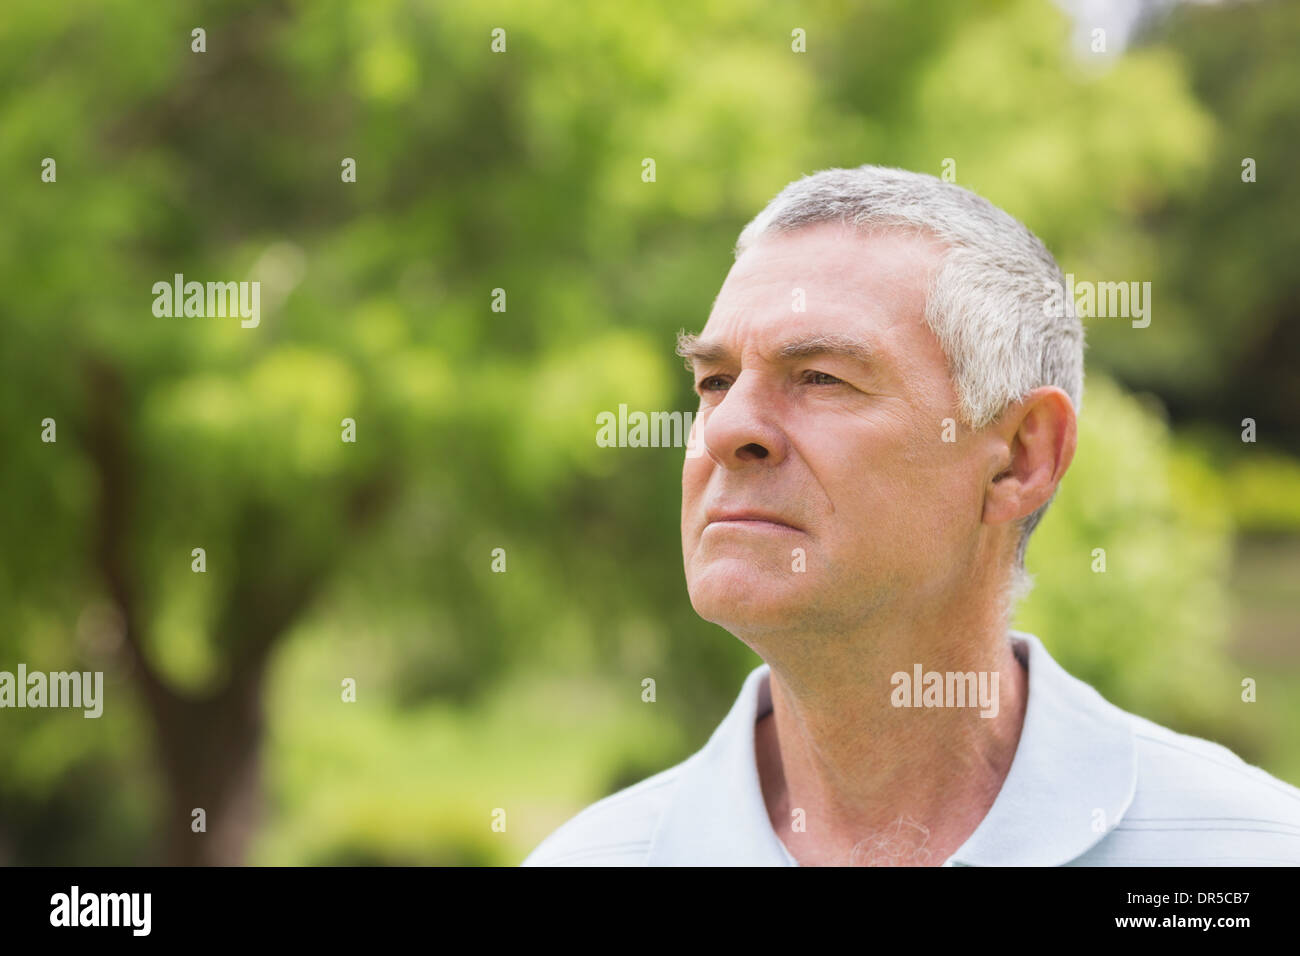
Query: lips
[(747, 514)]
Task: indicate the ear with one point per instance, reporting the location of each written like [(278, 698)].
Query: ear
[(1035, 439)]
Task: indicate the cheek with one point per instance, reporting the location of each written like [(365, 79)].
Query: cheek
[(944, 496), (899, 492), (695, 479)]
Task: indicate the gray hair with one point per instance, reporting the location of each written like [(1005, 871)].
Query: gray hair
[(986, 303)]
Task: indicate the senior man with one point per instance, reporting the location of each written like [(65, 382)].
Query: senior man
[(887, 405)]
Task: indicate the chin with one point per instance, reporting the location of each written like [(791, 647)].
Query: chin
[(737, 596)]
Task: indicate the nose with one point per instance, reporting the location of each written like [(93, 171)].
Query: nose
[(742, 428)]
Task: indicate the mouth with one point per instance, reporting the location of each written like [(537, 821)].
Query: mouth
[(753, 520)]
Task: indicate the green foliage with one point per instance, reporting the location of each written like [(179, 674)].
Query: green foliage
[(1264, 495)]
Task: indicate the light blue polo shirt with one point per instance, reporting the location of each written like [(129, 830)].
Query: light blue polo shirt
[(1090, 785)]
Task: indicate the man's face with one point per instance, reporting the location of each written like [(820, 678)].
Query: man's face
[(828, 422)]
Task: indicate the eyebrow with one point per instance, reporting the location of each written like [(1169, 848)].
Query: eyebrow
[(695, 350)]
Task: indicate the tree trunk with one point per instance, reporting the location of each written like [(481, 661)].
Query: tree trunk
[(210, 754)]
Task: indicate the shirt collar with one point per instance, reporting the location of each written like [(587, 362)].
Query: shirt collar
[(717, 816), (1072, 779)]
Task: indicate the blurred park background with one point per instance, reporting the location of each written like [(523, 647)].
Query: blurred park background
[(522, 170)]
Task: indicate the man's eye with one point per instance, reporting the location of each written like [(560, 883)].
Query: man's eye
[(821, 378), (708, 384)]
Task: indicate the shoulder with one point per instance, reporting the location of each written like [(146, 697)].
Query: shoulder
[(1181, 771), (1198, 803), (614, 831)]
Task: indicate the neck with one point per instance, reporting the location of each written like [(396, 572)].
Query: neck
[(878, 783)]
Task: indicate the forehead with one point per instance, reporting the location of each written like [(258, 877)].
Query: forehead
[(846, 282)]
